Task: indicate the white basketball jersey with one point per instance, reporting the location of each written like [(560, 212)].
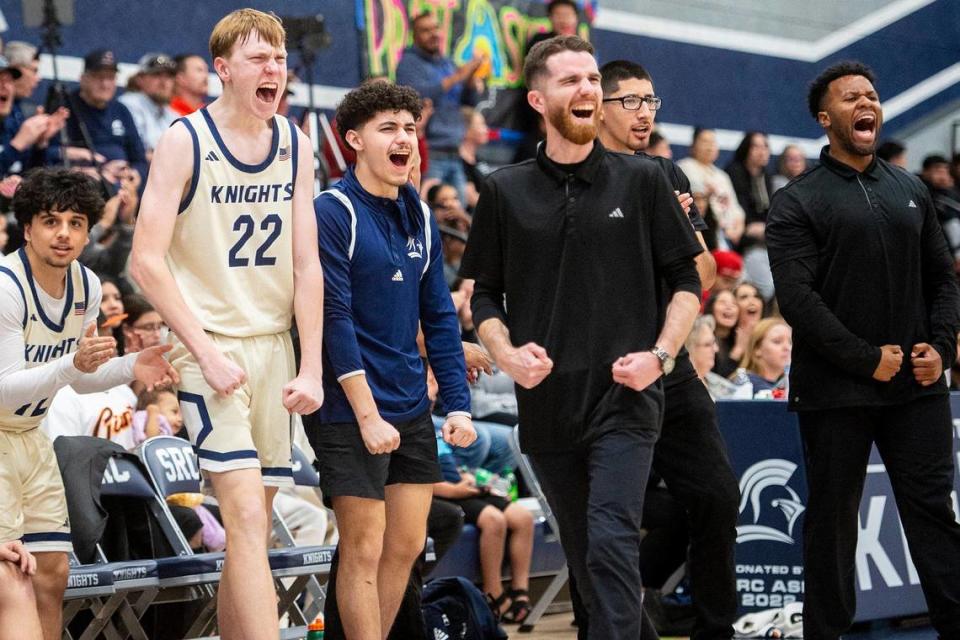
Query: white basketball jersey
[(45, 338), (232, 247)]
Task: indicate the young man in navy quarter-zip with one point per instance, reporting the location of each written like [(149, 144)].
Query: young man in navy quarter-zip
[(864, 277), (377, 455), (569, 252)]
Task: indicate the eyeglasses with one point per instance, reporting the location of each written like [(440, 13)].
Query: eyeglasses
[(151, 327), (633, 103)]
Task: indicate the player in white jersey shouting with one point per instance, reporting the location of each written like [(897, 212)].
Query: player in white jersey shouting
[(226, 250), (48, 316)]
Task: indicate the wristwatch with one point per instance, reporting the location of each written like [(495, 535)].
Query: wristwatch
[(667, 362)]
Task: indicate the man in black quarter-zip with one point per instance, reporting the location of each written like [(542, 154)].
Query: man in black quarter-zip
[(568, 251), (863, 276)]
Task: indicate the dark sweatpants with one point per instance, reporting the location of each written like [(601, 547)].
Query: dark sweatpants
[(597, 493), (691, 457), (915, 441)]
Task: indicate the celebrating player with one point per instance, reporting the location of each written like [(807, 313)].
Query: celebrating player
[(225, 250)]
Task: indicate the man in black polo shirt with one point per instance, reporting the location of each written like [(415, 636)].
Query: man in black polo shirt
[(568, 252), (864, 277), (690, 455)]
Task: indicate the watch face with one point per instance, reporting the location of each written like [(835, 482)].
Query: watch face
[(668, 365)]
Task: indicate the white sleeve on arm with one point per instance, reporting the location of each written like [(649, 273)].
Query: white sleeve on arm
[(19, 385), (114, 372)]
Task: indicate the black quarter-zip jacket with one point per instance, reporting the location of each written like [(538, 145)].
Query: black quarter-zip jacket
[(572, 258), (859, 261)]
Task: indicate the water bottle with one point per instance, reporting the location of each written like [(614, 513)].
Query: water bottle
[(482, 476), (513, 493), (315, 630), (744, 390), (500, 486)]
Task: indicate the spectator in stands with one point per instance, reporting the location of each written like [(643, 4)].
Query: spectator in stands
[(894, 152), (751, 181), (754, 186), (25, 57), (448, 87), (946, 199), (792, 163), (731, 343), (476, 170), (150, 105), (111, 298), (659, 146), (112, 236), (729, 270), (768, 353), (190, 83), (564, 19), (22, 139), (101, 132), (703, 348), (708, 178), (454, 225), (751, 305), (495, 516)]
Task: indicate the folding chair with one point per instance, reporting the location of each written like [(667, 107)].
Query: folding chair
[(182, 577), (88, 586), (550, 593), (172, 466), (304, 475)]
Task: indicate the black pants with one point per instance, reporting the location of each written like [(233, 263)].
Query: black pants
[(444, 525), (915, 441), (597, 495), (692, 459)]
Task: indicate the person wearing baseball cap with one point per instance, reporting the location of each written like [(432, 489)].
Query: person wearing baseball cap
[(100, 131), (729, 270), (150, 106)]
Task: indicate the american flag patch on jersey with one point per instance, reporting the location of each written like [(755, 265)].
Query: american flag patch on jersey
[(79, 308), (284, 153)]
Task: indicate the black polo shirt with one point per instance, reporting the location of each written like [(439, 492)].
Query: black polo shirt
[(684, 370), (859, 261), (577, 254)]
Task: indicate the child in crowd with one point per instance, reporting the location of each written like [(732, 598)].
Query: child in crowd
[(158, 413)]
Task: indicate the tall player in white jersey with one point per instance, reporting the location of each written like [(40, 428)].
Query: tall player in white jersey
[(48, 320), (226, 250)]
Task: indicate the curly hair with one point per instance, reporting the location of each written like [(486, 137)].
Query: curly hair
[(56, 190), (363, 104), (821, 84)]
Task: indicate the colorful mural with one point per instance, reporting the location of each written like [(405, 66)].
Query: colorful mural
[(498, 28)]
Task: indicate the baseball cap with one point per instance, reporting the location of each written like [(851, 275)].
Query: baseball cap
[(100, 60), (729, 263), (5, 66), (157, 63)]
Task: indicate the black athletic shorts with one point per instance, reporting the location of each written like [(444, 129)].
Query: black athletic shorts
[(347, 469), (472, 507)]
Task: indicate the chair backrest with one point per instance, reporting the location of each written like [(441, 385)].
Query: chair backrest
[(123, 476), (171, 464), (304, 474)]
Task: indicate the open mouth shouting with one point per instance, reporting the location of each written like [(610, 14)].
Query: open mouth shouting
[(583, 112), (865, 128), (400, 157), (267, 92)]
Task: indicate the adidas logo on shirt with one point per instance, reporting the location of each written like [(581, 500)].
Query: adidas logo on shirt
[(212, 156), (398, 276), (912, 204), (616, 213)]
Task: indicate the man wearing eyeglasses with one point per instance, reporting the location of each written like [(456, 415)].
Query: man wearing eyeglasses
[(690, 455)]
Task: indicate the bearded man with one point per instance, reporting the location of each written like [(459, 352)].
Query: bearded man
[(567, 251)]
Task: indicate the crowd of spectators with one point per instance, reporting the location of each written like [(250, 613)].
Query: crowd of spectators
[(739, 346)]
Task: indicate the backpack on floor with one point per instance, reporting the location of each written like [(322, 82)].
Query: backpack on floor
[(454, 609)]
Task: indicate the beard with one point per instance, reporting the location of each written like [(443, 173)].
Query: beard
[(574, 131), (844, 139)]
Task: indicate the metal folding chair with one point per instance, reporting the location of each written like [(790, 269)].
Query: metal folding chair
[(559, 580)]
